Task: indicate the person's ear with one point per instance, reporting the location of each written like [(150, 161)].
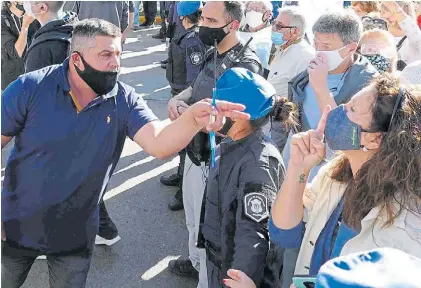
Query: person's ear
[(353, 47), (371, 141), (234, 25), (77, 60)]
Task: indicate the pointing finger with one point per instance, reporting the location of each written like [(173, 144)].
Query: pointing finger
[(322, 123)]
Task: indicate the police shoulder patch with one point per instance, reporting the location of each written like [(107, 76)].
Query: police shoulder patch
[(196, 58), (256, 206)]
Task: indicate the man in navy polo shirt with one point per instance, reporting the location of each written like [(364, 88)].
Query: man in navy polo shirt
[(70, 122)]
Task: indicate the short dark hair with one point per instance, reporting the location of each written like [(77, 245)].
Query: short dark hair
[(194, 17), (234, 10), (53, 6), (86, 30)]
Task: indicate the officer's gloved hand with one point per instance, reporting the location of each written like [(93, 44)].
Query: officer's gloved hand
[(238, 279)]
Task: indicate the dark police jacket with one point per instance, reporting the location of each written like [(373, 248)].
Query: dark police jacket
[(240, 191), (185, 58), (198, 149)]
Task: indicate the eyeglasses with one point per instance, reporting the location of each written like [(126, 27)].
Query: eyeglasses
[(279, 26), (370, 23)]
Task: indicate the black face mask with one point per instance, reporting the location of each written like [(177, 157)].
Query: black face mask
[(102, 82), (208, 35), (20, 7), (227, 126)]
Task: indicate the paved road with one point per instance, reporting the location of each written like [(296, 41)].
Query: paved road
[(151, 234)]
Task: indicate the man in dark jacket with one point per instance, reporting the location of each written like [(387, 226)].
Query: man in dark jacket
[(17, 30), (51, 42)]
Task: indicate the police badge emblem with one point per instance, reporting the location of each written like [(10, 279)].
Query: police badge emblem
[(196, 58), (256, 206)]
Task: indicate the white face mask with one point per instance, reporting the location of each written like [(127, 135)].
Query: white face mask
[(254, 19), (28, 8), (334, 59)]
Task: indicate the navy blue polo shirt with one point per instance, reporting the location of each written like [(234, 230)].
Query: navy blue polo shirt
[(62, 160)]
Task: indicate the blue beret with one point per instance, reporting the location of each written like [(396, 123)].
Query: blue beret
[(242, 86), (185, 8), (383, 267)]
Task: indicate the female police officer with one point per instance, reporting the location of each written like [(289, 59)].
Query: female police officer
[(185, 58), (243, 183)]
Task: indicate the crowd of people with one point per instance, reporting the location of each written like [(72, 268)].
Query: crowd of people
[(299, 140)]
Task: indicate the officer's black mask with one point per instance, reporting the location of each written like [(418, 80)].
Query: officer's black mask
[(101, 82), (19, 6), (227, 126), (208, 35)]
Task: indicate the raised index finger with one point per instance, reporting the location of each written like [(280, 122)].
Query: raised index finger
[(322, 123), (229, 106)]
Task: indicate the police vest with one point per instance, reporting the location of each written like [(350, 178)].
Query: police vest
[(176, 68)]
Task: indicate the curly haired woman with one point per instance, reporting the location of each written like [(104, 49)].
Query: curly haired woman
[(367, 197)]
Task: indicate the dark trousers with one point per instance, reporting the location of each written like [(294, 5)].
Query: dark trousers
[(163, 13), (69, 271), (150, 8), (214, 275)]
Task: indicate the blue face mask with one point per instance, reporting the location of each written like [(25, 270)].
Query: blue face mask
[(340, 132), (278, 38)]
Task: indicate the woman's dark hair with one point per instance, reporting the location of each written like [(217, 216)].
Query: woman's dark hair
[(283, 111), (194, 17), (393, 174)]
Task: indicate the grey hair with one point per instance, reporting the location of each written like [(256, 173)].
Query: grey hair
[(266, 4), (297, 18), (234, 10), (85, 32), (344, 22)]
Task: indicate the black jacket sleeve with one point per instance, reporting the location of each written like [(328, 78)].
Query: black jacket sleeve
[(8, 40)]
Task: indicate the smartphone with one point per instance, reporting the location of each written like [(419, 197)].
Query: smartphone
[(304, 281)]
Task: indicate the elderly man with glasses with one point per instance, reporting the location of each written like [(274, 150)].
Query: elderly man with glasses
[(293, 55)]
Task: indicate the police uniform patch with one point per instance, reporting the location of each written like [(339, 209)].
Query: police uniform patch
[(196, 58), (256, 206)]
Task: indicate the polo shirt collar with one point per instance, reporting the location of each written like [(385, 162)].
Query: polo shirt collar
[(63, 82)]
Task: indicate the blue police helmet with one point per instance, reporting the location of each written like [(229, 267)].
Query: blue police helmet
[(185, 8), (242, 86)]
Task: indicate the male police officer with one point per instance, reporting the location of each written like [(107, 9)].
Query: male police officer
[(185, 58), (221, 20), (70, 122)]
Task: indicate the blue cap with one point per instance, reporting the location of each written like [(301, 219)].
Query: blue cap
[(185, 8), (239, 85), (383, 267)]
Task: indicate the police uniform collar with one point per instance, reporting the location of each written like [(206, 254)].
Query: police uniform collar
[(63, 82), (227, 147), (180, 36)]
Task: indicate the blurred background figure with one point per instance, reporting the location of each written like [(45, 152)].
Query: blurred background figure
[(17, 31), (149, 9), (136, 15), (115, 12), (401, 22), (257, 24), (411, 75), (164, 10), (378, 46), (52, 41), (362, 8)]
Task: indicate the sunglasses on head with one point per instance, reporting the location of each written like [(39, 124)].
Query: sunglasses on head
[(370, 23)]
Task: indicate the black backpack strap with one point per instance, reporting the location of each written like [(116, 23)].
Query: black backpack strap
[(399, 46)]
